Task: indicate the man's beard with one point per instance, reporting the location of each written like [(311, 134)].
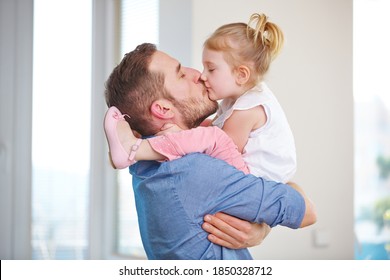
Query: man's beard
[(194, 112)]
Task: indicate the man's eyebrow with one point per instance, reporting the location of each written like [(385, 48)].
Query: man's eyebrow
[(178, 67)]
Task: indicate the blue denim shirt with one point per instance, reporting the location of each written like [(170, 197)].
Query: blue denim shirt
[(173, 197)]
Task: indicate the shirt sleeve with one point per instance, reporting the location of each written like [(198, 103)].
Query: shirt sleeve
[(208, 185)]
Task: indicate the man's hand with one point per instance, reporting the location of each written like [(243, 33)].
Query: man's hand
[(234, 233)]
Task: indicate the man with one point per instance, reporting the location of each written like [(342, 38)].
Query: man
[(173, 197)]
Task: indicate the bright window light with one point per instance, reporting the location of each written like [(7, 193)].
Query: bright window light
[(61, 128), (372, 128)]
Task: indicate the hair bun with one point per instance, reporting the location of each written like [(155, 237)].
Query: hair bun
[(265, 33)]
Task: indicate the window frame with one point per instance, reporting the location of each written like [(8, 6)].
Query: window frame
[(16, 31), (102, 197)]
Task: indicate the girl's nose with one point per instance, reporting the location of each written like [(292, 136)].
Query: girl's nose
[(203, 77)]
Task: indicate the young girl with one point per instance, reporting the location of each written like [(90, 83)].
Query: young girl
[(235, 58)]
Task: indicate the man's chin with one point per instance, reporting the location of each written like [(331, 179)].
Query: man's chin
[(215, 103), (211, 97)]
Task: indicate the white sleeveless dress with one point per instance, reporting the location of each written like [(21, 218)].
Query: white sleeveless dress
[(270, 151)]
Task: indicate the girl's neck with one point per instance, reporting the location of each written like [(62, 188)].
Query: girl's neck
[(244, 89)]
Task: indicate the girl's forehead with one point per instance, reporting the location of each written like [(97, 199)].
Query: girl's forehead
[(212, 53), (211, 56)]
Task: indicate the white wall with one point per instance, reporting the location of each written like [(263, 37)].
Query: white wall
[(174, 29), (312, 79)]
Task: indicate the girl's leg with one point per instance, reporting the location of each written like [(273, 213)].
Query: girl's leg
[(125, 148)]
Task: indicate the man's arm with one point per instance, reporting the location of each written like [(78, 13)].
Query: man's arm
[(235, 233), (243, 196)]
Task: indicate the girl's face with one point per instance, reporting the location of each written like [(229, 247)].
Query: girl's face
[(218, 76)]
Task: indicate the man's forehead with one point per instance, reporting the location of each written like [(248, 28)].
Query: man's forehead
[(162, 62)]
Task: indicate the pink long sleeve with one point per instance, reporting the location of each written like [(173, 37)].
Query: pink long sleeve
[(211, 140)]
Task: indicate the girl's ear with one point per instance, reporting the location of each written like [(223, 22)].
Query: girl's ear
[(162, 109), (242, 74)]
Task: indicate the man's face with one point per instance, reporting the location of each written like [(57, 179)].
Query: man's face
[(185, 86)]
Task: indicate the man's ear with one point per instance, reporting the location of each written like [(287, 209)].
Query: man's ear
[(162, 109), (242, 74)]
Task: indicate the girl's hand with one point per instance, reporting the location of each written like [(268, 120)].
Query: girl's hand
[(234, 233), (168, 128), (207, 122)]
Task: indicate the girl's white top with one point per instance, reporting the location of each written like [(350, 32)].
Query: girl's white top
[(270, 151)]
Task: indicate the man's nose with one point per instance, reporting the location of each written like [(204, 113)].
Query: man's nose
[(195, 75)]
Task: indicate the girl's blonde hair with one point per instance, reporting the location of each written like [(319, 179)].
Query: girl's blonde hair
[(256, 47)]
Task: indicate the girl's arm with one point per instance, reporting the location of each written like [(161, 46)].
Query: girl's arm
[(209, 140), (240, 124)]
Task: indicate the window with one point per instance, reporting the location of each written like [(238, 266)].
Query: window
[(134, 14), (372, 129), (61, 128), (61, 132)]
